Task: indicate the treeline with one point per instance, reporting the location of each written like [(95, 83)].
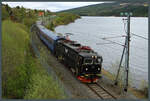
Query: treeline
[(65, 18), (21, 14), (137, 11), (23, 77), (61, 19), (139, 8)]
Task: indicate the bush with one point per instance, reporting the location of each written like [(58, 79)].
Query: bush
[(29, 21), (5, 14)]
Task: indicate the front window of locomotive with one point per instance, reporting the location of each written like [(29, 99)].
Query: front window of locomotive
[(93, 64), (88, 61), (93, 60)]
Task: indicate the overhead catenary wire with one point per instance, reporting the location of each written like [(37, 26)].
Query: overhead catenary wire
[(120, 50), (139, 36), (133, 33), (114, 37), (117, 43), (107, 34), (114, 42)]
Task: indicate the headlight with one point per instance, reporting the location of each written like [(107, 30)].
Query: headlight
[(86, 69), (98, 68), (99, 60)]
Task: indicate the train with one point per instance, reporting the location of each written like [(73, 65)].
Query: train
[(83, 62)]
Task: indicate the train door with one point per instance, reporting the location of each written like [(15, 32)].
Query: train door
[(79, 64)]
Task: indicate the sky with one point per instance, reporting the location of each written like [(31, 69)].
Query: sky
[(52, 6)]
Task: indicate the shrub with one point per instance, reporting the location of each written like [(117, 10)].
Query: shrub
[(29, 21), (5, 14)]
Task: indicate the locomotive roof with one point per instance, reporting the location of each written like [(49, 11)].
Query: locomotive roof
[(83, 53), (47, 32)]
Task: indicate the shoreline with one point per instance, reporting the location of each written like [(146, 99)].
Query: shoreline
[(137, 93)]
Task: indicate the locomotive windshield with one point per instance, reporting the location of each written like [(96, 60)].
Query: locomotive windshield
[(91, 60), (88, 60)]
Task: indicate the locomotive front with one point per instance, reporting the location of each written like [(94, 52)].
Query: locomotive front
[(90, 68)]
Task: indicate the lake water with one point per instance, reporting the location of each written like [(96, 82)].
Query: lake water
[(89, 31)]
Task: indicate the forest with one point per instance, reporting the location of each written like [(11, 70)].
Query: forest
[(139, 8)]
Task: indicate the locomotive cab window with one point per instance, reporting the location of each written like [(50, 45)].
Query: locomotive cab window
[(88, 60)]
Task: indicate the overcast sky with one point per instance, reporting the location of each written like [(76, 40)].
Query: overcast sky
[(52, 6)]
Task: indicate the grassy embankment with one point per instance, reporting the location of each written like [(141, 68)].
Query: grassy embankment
[(22, 74)]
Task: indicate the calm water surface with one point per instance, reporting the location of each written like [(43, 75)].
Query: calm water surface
[(90, 31)]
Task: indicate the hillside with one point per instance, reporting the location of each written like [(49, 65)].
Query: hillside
[(137, 7), (23, 75)]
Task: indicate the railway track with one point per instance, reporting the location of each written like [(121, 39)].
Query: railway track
[(100, 91)]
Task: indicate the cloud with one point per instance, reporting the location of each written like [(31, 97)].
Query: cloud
[(52, 6)]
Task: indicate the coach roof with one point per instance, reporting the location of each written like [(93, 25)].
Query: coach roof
[(49, 33)]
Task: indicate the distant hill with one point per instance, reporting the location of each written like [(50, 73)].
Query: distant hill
[(137, 7)]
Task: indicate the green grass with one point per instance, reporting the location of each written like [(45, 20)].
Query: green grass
[(22, 74), (43, 87), (14, 42)]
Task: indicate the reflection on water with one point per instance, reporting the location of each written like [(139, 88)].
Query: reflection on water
[(90, 31)]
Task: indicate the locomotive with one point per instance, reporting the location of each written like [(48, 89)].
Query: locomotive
[(81, 60)]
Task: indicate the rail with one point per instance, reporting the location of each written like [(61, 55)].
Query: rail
[(100, 91)]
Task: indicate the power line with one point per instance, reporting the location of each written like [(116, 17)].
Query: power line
[(111, 42), (133, 33), (115, 42), (114, 37), (139, 36), (108, 33)]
